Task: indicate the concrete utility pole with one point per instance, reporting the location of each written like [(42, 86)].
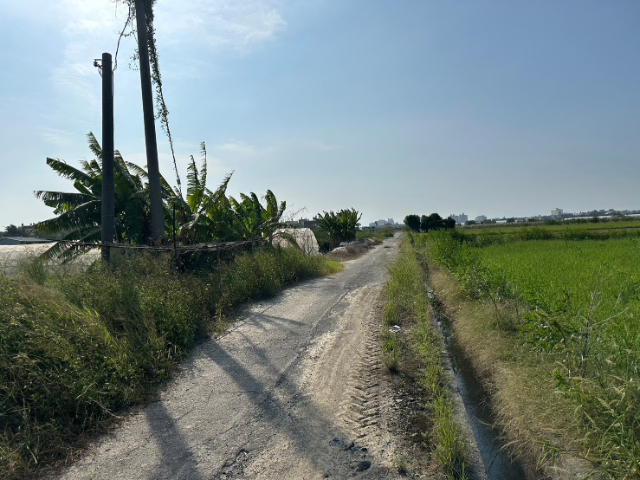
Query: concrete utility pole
[(108, 191), (153, 169)]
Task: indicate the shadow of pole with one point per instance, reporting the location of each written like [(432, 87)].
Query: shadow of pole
[(285, 409), (177, 459)]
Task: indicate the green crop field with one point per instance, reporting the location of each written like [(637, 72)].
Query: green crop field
[(556, 227), (574, 289), (575, 304), (561, 276)]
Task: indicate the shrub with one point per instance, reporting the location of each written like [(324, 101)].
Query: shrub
[(412, 222), (436, 222), (341, 226)]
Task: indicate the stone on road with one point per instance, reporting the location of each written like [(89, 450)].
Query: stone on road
[(291, 391)]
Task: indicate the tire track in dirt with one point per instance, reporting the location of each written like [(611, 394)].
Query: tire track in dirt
[(361, 408)]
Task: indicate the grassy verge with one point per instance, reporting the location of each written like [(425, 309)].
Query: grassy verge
[(76, 350), (553, 327), (407, 306)]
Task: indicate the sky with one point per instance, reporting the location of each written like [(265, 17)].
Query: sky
[(494, 107)]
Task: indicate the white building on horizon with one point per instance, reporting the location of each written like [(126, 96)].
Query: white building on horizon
[(382, 223), (480, 219), (557, 212), (460, 219)]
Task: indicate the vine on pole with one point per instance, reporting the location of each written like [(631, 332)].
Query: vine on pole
[(162, 112)]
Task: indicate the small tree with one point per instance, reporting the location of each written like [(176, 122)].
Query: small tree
[(78, 214), (341, 226), (431, 222), (436, 222), (449, 223), (13, 231), (412, 222), (252, 220)]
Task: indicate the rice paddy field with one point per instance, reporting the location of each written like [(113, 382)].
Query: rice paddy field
[(573, 302), (574, 279), (554, 227)]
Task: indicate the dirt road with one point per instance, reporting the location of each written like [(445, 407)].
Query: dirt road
[(291, 391)]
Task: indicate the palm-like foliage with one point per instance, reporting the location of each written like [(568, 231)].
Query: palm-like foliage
[(340, 226), (78, 214), (204, 216), (252, 220)]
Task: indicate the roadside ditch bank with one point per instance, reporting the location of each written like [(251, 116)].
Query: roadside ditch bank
[(507, 389), (426, 398), (495, 458)]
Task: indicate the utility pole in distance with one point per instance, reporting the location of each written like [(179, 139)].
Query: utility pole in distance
[(108, 192), (151, 142)]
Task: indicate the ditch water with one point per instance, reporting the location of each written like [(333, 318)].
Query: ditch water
[(498, 464)]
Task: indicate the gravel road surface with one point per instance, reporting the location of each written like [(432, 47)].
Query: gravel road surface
[(291, 391)]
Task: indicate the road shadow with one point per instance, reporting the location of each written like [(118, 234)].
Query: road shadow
[(313, 436), (178, 461), (259, 320)]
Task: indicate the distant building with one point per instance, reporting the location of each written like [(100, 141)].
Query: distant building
[(23, 241), (304, 223), (460, 219), (480, 219), (382, 223), (556, 212)]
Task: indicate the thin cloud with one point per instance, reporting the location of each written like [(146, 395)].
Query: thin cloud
[(234, 25), (59, 137), (240, 151), (91, 27)]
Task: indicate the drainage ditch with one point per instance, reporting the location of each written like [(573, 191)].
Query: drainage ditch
[(498, 464)]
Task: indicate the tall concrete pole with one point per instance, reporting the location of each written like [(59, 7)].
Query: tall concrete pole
[(108, 192), (155, 190)]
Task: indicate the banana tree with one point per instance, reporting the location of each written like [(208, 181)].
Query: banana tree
[(252, 220), (206, 215), (78, 214), (340, 226)]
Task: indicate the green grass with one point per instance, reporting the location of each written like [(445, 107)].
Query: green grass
[(408, 306), (405, 465), (78, 349), (510, 229), (605, 224), (561, 276), (576, 306)]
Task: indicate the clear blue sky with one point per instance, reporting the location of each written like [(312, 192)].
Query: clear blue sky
[(391, 107)]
